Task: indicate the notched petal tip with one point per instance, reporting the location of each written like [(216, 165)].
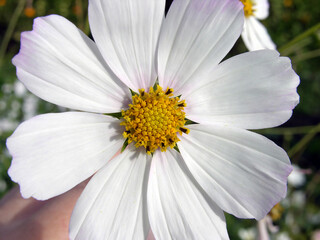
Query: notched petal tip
[(60, 64), (52, 153), (196, 36), (17, 174), (288, 62), (293, 79), (16, 60), (259, 166), (262, 92)]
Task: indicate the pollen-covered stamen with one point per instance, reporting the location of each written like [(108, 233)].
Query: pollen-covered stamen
[(154, 119), (184, 130), (248, 7), (169, 91), (276, 212)]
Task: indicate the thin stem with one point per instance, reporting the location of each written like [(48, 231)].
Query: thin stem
[(307, 55), (302, 36), (296, 47), (290, 130), (304, 141), (10, 29)]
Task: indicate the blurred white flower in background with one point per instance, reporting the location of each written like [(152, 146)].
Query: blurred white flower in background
[(30, 106), (247, 233), (297, 177), (255, 36), (7, 125), (3, 185), (316, 235), (283, 236), (298, 199), (30, 102), (19, 89)]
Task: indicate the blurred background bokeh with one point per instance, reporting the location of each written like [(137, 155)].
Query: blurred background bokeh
[(294, 26)]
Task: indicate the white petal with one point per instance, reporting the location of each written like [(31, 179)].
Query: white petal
[(113, 205), (60, 64), (255, 36), (126, 33), (243, 172), (261, 9), (195, 36), (54, 152), (176, 208), (252, 90)]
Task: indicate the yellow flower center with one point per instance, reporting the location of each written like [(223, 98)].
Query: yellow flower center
[(276, 212), (154, 119), (248, 7)]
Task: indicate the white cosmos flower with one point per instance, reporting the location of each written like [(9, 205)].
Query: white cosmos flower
[(255, 36), (221, 165), (297, 177)]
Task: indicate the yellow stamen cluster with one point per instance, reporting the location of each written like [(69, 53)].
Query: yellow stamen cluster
[(154, 118), (276, 212), (248, 7)]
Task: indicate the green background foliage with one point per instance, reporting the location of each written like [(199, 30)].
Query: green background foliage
[(294, 26)]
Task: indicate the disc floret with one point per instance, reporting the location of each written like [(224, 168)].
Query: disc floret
[(154, 119), (248, 7)]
